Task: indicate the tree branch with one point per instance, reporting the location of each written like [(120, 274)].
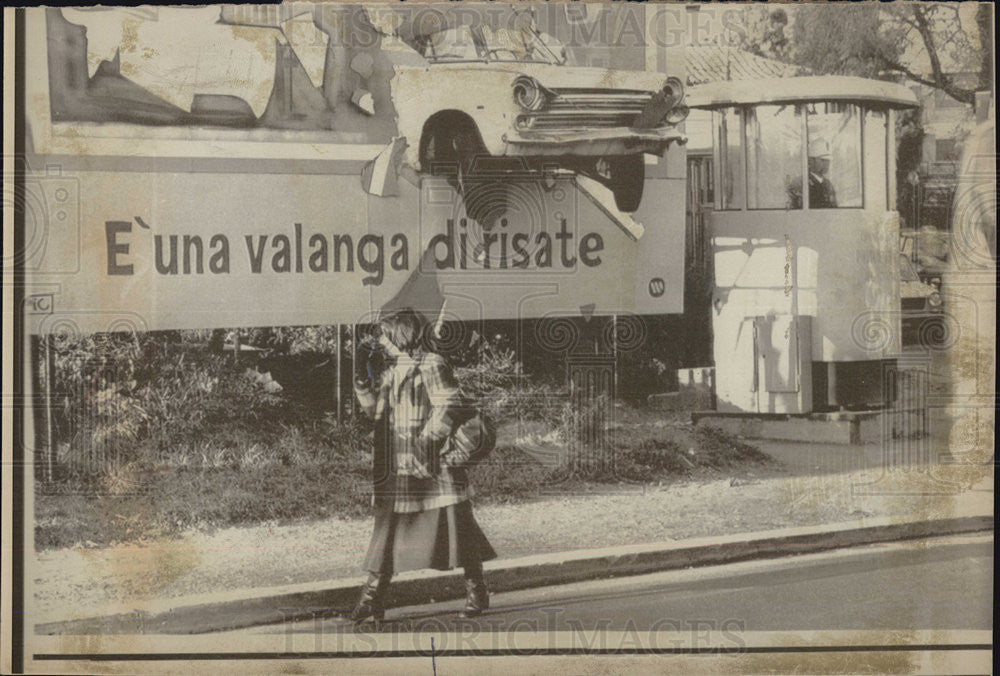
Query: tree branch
[(984, 24), (941, 80), (900, 68)]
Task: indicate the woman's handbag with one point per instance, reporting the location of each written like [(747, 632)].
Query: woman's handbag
[(470, 442)]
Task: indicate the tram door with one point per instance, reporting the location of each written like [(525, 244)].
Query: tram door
[(782, 367)]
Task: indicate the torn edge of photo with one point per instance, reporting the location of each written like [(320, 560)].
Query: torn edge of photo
[(564, 337)]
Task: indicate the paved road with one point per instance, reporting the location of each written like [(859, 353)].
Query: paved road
[(945, 583)]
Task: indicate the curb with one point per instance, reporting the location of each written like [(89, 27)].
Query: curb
[(247, 608), (843, 428)]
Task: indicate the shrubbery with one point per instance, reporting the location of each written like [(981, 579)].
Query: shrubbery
[(162, 431)]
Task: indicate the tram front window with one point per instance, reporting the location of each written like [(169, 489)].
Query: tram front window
[(774, 157), (834, 145), (791, 156)]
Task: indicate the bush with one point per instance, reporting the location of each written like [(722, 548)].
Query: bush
[(162, 431), (145, 398)]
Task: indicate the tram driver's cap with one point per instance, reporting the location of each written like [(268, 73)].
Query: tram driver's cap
[(819, 148)]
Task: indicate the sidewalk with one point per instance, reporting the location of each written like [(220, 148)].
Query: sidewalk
[(817, 488)]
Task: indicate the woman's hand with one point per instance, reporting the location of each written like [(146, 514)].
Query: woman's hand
[(428, 452), (454, 457), (445, 398)]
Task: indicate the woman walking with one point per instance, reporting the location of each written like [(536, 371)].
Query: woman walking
[(423, 518)]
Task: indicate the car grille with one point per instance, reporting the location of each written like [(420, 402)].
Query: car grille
[(586, 109), (913, 304)]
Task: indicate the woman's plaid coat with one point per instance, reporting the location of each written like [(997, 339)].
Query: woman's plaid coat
[(416, 409)]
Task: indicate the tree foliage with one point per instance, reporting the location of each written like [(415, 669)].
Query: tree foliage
[(767, 33), (924, 42)]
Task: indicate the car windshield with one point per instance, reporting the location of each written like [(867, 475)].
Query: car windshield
[(453, 44), (906, 271), (524, 44), (485, 44)]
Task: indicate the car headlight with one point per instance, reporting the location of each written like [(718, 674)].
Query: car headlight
[(677, 114), (529, 94), (673, 89), (935, 300)]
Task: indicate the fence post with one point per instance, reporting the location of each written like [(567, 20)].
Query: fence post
[(354, 368), (614, 353), (592, 379), (50, 372), (340, 384), (591, 384)]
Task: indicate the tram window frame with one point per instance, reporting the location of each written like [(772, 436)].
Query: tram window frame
[(860, 111), (875, 148), (741, 202), (738, 201), (779, 107)]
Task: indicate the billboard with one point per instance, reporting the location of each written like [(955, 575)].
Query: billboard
[(323, 180)]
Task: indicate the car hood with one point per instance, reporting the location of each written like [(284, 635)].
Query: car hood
[(566, 77), (915, 290)]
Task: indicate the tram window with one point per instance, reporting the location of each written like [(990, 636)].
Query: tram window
[(834, 147), (774, 157), (731, 173)]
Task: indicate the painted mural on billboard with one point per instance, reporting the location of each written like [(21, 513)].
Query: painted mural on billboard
[(368, 75)]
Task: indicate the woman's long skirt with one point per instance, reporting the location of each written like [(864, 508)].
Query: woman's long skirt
[(442, 539)]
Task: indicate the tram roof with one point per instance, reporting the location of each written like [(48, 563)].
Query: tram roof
[(800, 90)]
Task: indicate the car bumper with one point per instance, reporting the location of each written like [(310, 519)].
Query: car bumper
[(919, 314), (596, 142)]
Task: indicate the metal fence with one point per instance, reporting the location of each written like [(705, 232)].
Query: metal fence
[(906, 426)]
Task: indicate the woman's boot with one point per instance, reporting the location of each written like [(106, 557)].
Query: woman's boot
[(477, 595), (371, 602)]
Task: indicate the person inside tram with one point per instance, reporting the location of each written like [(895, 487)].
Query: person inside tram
[(821, 192)]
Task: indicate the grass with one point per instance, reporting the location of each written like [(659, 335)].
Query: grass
[(232, 476), (238, 476), (192, 440)]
